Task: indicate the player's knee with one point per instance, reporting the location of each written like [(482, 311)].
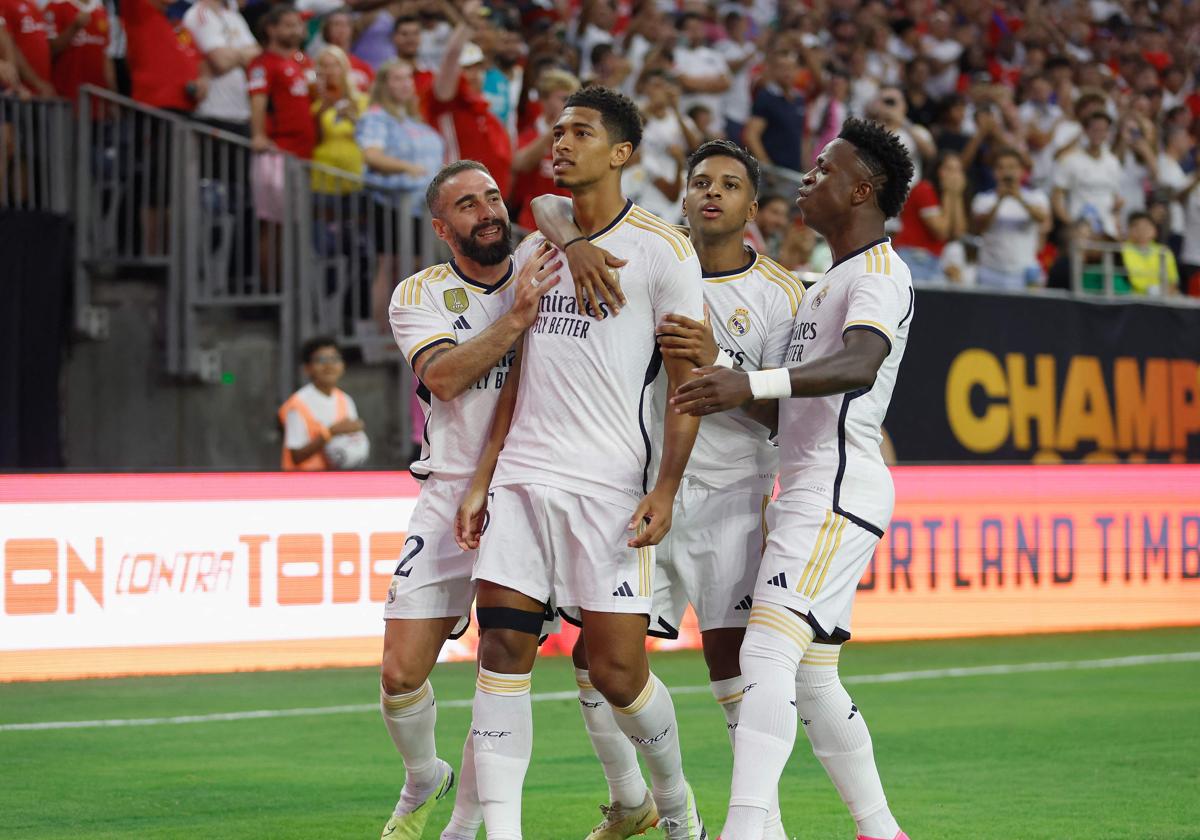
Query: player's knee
[(761, 648), (507, 651), (722, 653), (399, 677), (620, 682)]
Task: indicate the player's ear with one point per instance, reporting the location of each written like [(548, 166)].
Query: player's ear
[(620, 155), (863, 191), (752, 211), (440, 228)]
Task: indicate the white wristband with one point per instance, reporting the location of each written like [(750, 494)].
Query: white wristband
[(723, 359), (773, 384)]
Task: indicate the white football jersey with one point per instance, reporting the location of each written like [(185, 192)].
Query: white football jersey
[(583, 415), (751, 310), (829, 446), (437, 306)]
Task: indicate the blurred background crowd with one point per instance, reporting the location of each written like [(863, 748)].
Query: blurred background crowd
[(1031, 124)]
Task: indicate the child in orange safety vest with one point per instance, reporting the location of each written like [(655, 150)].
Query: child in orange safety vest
[(321, 427)]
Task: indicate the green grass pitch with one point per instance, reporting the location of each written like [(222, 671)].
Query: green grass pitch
[(1077, 753)]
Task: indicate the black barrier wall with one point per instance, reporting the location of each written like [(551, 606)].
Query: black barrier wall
[(990, 377)]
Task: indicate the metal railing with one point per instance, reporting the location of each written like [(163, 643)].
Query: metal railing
[(312, 248), (36, 140), (1110, 269)]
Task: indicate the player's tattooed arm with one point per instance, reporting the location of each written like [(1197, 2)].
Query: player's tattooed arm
[(652, 519), (851, 368), (679, 337), (593, 269), (449, 370), (468, 524)]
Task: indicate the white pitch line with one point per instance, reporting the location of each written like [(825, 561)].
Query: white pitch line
[(864, 679)]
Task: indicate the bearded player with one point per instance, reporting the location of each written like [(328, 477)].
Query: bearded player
[(456, 324), (836, 494), (710, 558), (574, 510)]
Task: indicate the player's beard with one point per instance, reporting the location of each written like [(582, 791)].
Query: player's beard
[(492, 254)]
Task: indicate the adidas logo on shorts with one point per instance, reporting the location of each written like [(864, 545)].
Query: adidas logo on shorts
[(779, 580), (744, 604), (624, 590)]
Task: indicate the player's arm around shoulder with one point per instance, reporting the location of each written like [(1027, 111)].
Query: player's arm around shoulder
[(594, 271)]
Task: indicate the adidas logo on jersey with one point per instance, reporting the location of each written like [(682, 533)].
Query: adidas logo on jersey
[(461, 323), (779, 580), (744, 604), (623, 591)]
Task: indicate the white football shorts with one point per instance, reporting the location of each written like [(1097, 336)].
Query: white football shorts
[(709, 559), (433, 577), (566, 549), (812, 564)]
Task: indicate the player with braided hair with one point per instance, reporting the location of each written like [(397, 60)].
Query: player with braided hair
[(836, 494)]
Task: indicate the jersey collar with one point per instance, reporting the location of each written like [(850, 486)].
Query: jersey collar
[(620, 218), (855, 253), (716, 275), (483, 287)]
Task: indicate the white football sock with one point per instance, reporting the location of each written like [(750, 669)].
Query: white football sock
[(612, 747), (467, 816), (771, 652), (502, 729), (840, 740), (729, 697), (410, 720), (649, 722)]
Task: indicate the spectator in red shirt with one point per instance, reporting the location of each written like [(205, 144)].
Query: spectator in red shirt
[(29, 34), (165, 67), (78, 46), (533, 162), (457, 108), (406, 35), (338, 31), (280, 79), (929, 220)]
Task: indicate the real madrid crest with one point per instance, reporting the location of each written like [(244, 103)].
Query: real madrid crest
[(456, 300), (739, 321), (820, 297)]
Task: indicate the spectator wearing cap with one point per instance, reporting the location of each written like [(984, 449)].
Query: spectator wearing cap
[(1149, 267), (1009, 220), (337, 30), (740, 54), (30, 36), (701, 70), (533, 163), (667, 137), (1086, 179), (79, 34), (223, 37), (457, 108), (775, 132)]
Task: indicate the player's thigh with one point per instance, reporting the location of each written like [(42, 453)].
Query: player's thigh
[(410, 650), (724, 545), (512, 552), (616, 650)]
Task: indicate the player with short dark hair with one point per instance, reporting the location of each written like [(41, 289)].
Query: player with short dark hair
[(456, 324), (574, 510), (836, 493), (710, 558)]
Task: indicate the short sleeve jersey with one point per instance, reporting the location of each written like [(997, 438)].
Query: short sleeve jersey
[(442, 306), (829, 446), (583, 414), (751, 311), (472, 132), (285, 80), (30, 32), (162, 59), (83, 61)]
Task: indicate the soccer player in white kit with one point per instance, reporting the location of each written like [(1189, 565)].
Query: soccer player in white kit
[(710, 558), (573, 518), (456, 324), (836, 494)]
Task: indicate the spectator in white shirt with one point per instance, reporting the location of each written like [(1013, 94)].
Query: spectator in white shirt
[(595, 27), (222, 35), (1087, 179), (703, 74), (1010, 221), (943, 52), (741, 54), (667, 137), (1171, 178)]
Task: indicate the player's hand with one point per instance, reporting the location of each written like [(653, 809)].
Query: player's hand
[(347, 427), (472, 513), (594, 271), (679, 337), (653, 517), (536, 278), (716, 389)]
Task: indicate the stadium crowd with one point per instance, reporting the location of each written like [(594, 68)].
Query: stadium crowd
[(1030, 124)]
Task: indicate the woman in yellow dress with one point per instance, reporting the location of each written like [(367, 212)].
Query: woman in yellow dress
[(337, 108)]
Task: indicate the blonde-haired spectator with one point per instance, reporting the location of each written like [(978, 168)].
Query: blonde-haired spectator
[(402, 154), (533, 162), (339, 105)]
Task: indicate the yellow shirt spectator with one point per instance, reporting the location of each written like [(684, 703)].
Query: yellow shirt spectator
[(1147, 263), (337, 108)]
